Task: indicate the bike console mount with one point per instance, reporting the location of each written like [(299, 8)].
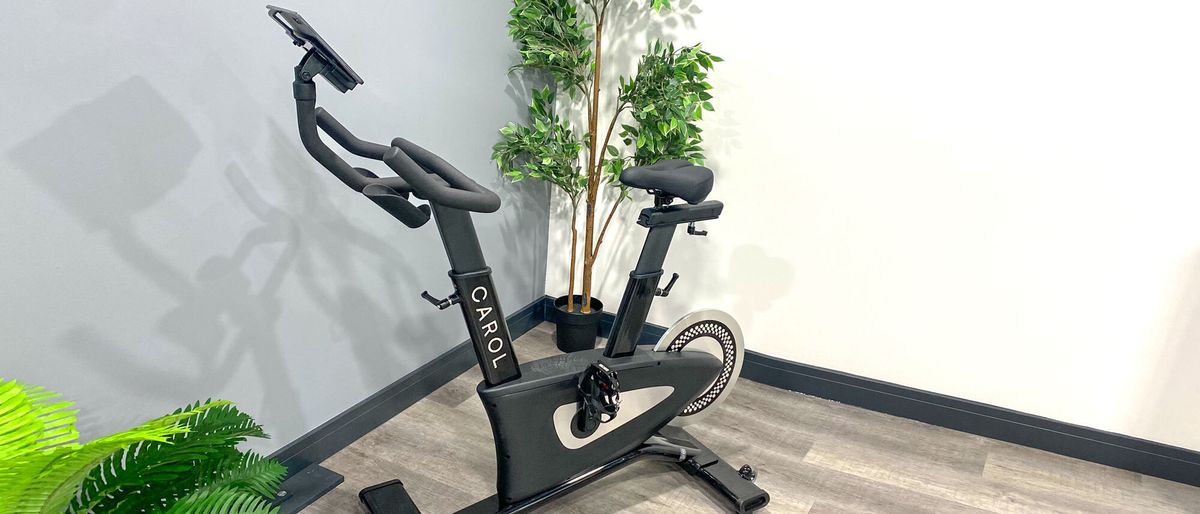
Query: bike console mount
[(321, 59)]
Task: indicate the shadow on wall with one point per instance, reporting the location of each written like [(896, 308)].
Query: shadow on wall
[(752, 282), (641, 25), (108, 161), (335, 241), (1173, 393), (529, 198), (756, 280), (312, 204)]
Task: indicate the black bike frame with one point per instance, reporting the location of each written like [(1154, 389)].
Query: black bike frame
[(473, 287)]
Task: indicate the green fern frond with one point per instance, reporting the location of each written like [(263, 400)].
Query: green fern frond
[(223, 500), (150, 476), (30, 421), (41, 472), (250, 472)]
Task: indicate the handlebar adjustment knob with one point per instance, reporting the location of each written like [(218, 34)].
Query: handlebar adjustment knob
[(444, 303)]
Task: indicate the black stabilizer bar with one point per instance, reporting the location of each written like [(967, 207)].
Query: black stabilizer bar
[(672, 444), (743, 494)]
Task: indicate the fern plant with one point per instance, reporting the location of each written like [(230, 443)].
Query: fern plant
[(201, 467), (183, 463)]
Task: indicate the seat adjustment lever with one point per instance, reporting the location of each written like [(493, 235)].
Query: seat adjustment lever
[(692, 230), (441, 304), (665, 291)]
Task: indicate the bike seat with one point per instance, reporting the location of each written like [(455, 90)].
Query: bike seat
[(677, 178)]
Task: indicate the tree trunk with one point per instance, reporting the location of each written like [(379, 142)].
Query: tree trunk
[(595, 156), (574, 251)]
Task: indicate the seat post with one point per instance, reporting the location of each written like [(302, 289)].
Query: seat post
[(639, 293), (662, 220)]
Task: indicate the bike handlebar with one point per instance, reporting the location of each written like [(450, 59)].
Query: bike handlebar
[(306, 118), (421, 168), (343, 137), (420, 171)]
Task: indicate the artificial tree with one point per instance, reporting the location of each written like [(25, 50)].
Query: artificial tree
[(657, 111)]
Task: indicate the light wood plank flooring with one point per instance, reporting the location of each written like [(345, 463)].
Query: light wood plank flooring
[(812, 455)]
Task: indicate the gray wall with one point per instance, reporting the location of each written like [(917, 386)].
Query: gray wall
[(166, 239)]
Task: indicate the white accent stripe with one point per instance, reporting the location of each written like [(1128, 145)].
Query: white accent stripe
[(633, 404)]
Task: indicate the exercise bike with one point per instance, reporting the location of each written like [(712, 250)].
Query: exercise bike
[(567, 420)]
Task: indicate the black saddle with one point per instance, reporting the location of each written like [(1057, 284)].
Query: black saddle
[(680, 179)]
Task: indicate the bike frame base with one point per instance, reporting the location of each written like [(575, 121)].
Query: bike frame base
[(671, 444)]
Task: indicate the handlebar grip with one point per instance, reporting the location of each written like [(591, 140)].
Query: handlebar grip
[(421, 169), (389, 193), (396, 205), (306, 119), (343, 137)]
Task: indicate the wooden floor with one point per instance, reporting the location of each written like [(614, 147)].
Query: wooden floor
[(812, 455)]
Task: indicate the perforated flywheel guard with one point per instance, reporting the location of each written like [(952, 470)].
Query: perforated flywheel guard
[(717, 333)]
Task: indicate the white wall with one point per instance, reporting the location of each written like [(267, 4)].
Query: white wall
[(164, 237), (995, 201)]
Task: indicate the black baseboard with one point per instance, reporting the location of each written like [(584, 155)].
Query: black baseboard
[(1116, 450), (1084, 443), (347, 427)]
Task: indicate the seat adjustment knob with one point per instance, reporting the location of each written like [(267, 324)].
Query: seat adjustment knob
[(665, 291)]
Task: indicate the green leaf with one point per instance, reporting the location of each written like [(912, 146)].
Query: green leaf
[(222, 500), (142, 477), (45, 478), (667, 95)]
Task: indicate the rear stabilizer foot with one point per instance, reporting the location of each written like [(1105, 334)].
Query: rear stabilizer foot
[(388, 498)]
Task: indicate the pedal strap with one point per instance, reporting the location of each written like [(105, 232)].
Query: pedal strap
[(599, 396)]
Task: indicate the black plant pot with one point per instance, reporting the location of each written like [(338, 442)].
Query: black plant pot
[(576, 331)]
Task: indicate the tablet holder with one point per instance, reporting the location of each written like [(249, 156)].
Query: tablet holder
[(320, 59)]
